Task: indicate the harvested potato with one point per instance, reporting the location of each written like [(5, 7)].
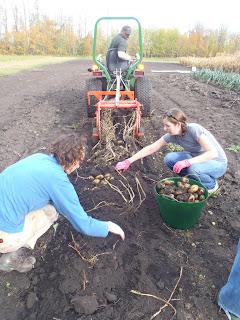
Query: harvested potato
[(160, 185), (169, 190), (181, 185), (195, 195), (193, 188), (182, 197), (91, 177), (179, 191), (191, 198), (200, 191), (96, 154), (107, 175), (196, 201), (187, 186), (96, 181), (171, 195), (169, 182), (100, 176), (184, 180), (201, 197)]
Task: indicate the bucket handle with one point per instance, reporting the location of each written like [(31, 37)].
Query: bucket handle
[(191, 174)]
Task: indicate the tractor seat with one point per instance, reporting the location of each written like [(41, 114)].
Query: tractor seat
[(114, 62)]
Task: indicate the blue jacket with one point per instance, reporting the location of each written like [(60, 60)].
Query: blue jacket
[(34, 182)]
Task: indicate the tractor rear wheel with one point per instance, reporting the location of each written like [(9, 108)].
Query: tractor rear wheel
[(143, 93), (92, 85)]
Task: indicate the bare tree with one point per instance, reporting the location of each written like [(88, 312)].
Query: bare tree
[(15, 18), (4, 19)]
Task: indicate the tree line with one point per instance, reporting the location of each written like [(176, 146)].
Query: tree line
[(39, 35)]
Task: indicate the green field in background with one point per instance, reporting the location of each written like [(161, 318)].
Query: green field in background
[(13, 64)]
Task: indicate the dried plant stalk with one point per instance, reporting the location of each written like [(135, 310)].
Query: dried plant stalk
[(108, 132), (107, 128), (84, 280), (167, 303), (102, 204), (140, 190), (129, 127), (152, 296), (116, 189), (129, 190)]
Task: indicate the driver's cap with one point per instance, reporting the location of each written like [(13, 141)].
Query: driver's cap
[(127, 29)]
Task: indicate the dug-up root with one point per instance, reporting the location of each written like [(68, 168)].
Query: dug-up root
[(166, 303), (108, 132), (126, 192), (116, 139), (93, 260)]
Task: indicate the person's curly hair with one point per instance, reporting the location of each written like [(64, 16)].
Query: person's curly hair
[(69, 149)]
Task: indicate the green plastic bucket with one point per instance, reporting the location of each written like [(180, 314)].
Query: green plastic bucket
[(180, 215)]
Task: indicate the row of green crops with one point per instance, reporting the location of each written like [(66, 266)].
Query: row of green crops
[(229, 80)]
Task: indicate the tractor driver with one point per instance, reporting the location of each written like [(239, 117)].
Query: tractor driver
[(118, 47)]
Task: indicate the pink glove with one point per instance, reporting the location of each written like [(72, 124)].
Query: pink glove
[(123, 165), (180, 165)]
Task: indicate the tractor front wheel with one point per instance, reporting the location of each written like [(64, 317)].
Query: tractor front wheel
[(143, 93)]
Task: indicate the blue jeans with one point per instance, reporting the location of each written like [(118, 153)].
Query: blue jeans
[(206, 171), (229, 296)]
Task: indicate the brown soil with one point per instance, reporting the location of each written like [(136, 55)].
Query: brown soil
[(36, 106)]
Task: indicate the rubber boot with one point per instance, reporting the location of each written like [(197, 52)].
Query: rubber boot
[(16, 260)]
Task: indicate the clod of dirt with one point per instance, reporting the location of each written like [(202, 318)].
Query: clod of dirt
[(52, 276), (31, 299), (85, 304), (111, 297), (160, 285), (33, 316)]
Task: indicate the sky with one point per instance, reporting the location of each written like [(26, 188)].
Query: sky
[(168, 14)]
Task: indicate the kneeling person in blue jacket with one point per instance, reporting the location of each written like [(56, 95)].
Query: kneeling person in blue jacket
[(33, 192)]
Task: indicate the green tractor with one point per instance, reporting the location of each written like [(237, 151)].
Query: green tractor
[(123, 80)]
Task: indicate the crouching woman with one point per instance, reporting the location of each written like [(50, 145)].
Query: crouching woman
[(203, 156), (33, 192)]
